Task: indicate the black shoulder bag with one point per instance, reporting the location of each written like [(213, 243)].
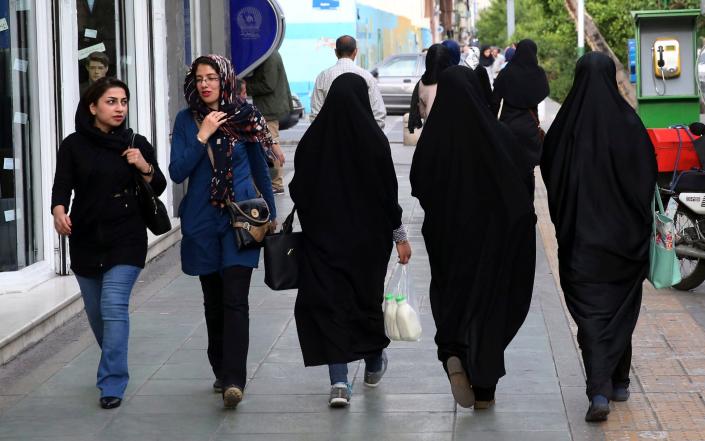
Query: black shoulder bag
[(151, 207), (281, 267)]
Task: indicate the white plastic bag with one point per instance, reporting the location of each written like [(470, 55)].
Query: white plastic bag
[(401, 321)]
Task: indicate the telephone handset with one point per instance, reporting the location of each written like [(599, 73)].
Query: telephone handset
[(667, 61)]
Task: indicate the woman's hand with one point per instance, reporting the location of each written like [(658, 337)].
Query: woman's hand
[(62, 221), (273, 226), (404, 251), (210, 124), (278, 154), (134, 157)]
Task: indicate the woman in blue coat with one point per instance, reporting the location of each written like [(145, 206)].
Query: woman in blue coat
[(237, 135)]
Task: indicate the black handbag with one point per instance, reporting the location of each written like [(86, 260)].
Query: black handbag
[(152, 209), (281, 267), (250, 222)]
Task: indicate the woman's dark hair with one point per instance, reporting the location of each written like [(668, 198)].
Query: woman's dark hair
[(204, 60), (98, 88)]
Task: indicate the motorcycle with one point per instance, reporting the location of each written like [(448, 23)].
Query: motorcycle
[(686, 206)]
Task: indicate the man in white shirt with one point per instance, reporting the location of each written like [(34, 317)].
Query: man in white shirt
[(346, 51)]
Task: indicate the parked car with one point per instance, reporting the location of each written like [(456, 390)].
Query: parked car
[(297, 112), (396, 77)]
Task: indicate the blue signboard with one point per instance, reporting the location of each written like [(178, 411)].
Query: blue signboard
[(4, 24), (631, 51), (256, 30), (326, 4)]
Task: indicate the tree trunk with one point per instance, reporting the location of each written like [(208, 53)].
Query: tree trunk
[(598, 43)]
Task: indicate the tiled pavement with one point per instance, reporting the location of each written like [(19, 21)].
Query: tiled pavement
[(48, 393)]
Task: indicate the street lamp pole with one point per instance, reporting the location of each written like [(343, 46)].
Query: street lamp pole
[(510, 20), (581, 28)]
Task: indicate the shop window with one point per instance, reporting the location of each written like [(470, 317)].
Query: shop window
[(106, 43), (21, 236)]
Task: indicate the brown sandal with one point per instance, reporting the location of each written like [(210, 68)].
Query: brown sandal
[(459, 383)]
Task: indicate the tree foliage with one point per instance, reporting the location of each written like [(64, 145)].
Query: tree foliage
[(548, 23)]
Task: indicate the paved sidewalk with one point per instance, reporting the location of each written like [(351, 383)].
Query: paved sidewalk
[(49, 393)]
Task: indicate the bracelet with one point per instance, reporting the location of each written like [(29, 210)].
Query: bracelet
[(199, 140), (150, 172)]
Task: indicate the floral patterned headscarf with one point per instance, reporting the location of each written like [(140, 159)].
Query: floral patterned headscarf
[(244, 123)]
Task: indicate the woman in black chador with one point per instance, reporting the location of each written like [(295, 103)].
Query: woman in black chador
[(345, 191), (600, 171), (518, 90), (479, 233)]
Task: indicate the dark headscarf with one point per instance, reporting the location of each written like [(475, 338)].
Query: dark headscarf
[(118, 139), (600, 171), (482, 263), (438, 59), (345, 190), (244, 123), (454, 49), (509, 54), (486, 87), (522, 83), (486, 61)]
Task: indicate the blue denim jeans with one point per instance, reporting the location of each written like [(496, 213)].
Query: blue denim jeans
[(339, 372), (107, 298)]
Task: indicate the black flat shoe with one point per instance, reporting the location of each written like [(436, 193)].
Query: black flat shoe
[(620, 394), (599, 409), (110, 402), (218, 386)]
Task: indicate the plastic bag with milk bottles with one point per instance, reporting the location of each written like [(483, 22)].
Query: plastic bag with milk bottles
[(401, 321)]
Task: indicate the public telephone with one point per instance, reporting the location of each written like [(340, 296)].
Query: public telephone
[(667, 61)]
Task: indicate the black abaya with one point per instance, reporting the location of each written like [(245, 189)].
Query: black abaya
[(345, 190), (600, 171), (478, 227), (522, 85)]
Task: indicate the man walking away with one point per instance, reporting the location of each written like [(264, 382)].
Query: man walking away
[(270, 93), (346, 51)]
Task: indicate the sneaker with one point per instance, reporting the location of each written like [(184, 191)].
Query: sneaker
[(620, 394), (218, 386), (598, 410), (232, 396), (372, 379), (340, 394), (278, 191), (459, 383)]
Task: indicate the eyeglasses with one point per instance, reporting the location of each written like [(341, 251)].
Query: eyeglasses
[(207, 80)]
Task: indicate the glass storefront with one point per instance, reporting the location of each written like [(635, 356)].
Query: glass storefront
[(21, 235)]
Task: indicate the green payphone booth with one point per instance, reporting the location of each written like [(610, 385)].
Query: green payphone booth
[(667, 88)]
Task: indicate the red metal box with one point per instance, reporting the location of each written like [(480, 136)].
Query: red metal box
[(666, 146)]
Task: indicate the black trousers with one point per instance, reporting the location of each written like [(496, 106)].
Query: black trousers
[(620, 377), (225, 300)]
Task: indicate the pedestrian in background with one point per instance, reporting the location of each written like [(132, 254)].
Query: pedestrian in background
[(498, 63), (218, 123), (438, 58), (107, 235), (518, 90), (346, 51), (270, 93), (600, 172), (345, 253), (454, 49), (479, 233)]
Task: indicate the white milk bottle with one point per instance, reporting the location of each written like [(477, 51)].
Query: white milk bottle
[(407, 321), (390, 317)]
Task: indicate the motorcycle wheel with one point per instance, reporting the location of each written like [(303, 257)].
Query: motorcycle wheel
[(692, 268)]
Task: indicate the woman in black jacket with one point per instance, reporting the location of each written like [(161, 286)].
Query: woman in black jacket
[(107, 236)]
